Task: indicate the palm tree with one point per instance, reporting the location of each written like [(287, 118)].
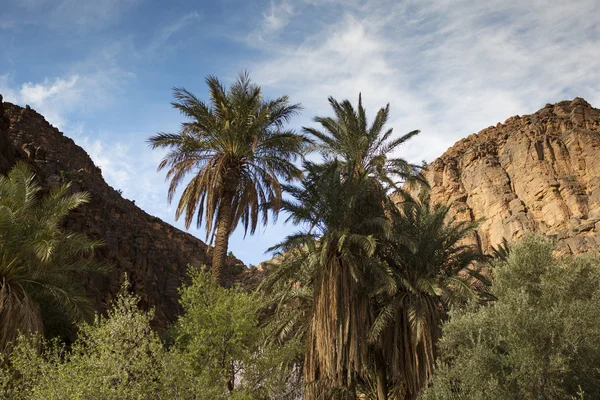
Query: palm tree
[(361, 148), (432, 270), (334, 258), (39, 262), (341, 202), (237, 149)]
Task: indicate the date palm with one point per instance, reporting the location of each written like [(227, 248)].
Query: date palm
[(342, 202), (39, 262), (432, 269), (332, 260), (362, 148), (236, 149)]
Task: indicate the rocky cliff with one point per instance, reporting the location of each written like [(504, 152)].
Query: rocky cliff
[(153, 253), (536, 173), (7, 155)]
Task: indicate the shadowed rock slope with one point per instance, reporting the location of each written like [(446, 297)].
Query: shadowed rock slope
[(536, 173), (153, 253)]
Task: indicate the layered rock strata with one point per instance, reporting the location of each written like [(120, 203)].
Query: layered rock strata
[(536, 173)]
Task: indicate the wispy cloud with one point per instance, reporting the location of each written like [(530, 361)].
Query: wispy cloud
[(171, 29), (273, 20), (447, 68), (277, 17)]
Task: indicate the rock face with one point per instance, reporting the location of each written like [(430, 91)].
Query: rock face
[(537, 173), (7, 154), (153, 253)]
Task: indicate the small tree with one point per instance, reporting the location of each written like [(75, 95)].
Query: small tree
[(539, 340), (219, 347)]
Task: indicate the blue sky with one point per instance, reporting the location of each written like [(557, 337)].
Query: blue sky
[(102, 70)]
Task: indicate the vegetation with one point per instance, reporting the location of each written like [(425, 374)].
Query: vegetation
[(119, 357), (432, 270), (220, 347), (376, 296), (539, 340), (39, 262), (237, 149)]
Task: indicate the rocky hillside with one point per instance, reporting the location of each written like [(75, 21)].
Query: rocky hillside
[(536, 173), (153, 253)]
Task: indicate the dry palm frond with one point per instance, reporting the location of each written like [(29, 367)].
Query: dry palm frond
[(430, 276), (237, 150)]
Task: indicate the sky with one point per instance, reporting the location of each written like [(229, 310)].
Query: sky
[(102, 71)]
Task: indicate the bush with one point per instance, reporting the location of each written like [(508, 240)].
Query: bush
[(117, 357), (539, 340), (218, 352), (219, 347)]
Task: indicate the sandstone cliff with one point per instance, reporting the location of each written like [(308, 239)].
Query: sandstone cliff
[(153, 253), (536, 173)]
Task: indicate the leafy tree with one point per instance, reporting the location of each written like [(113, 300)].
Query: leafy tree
[(115, 357), (431, 269), (219, 347), (539, 340), (237, 149), (40, 264)]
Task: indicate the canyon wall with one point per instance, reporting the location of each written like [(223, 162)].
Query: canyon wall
[(154, 254), (534, 173)]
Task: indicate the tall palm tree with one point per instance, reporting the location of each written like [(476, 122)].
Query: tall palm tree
[(237, 150), (39, 262), (362, 148), (334, 258), (342, 204), (432, 269)]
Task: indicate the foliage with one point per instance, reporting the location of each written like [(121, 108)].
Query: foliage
[(430, 266), (117, 357), (361, 148), (539, 340), (218, 352), (341, 204), (237, 149), (39, 262), (219, 347), (215, 334), (337, 263)]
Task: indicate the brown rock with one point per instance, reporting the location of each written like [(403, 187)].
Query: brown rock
[(154, 254), (535, 173), (7, 154)]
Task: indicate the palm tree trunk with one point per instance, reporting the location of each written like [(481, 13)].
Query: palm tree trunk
[(382, 385), (222, 240)]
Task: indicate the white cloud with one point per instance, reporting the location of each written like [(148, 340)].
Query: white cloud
[(447, 68), (277, 17), (52, 97), (274, 20)]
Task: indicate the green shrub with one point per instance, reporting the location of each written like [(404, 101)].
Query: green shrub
[(218, 351), (219, 347), (117, 357), (539, 340)]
